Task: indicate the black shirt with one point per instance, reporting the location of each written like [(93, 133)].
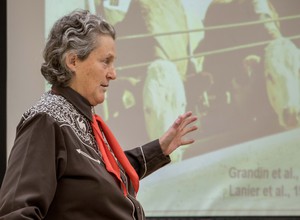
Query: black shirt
[(55, 170)]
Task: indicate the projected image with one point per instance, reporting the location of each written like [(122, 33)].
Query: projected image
[(239, 72), (235, 64)]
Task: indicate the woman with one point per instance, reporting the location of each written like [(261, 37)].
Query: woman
[(66, 163)]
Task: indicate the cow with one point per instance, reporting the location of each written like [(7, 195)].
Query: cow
[(151, 34), (282, 73), (163, 100), (236, 67)]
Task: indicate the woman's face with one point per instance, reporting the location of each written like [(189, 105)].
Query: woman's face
[(92, 75)]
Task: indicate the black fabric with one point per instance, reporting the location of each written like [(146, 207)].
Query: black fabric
[(55, 170)]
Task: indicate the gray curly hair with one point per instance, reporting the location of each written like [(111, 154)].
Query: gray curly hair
[(76, 32)]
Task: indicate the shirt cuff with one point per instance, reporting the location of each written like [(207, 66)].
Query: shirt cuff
[(153, 157)]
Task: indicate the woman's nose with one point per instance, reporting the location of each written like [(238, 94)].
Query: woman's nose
[(112, 74)]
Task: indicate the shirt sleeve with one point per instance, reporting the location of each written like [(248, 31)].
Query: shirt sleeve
[(147, 158), (31, 177)]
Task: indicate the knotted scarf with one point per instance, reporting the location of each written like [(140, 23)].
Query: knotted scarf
[(109, 160)]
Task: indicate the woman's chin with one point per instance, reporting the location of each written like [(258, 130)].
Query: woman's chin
[(100, 99)]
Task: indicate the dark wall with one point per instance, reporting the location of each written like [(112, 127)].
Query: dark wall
[(2, 89)]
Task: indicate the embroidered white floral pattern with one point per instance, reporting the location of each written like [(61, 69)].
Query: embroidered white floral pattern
[(65, 114)]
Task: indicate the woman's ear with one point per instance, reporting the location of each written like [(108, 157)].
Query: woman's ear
[(71, 59)]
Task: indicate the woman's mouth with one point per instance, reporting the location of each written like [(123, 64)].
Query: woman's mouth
[(104, 86)]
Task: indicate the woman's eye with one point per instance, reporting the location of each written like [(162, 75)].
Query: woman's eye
[(107, 61)]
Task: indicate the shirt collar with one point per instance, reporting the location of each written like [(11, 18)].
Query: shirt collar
[(79, 102)]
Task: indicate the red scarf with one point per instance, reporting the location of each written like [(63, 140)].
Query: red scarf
[(110, 163)]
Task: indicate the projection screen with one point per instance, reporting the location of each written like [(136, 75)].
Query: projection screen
[(236, 65)]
